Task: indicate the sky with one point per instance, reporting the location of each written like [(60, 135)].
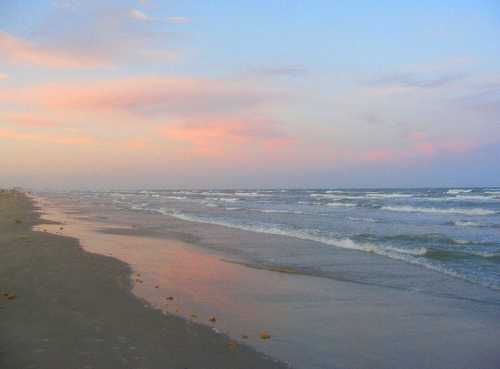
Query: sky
[(249, 94)]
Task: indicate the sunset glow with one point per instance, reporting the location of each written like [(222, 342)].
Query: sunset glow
[(228, 94)]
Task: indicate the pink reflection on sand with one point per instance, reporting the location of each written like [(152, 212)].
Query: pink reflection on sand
[(180, 278)]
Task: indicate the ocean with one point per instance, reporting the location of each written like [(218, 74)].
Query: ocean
[(453, 231)]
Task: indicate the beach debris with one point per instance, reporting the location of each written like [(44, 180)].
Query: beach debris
[(169, 298), (244, 336), (18, 221), (61, 228), (212, 319), (264, 335), (157, 286), (9, 296), (194, 316), (232, 345)]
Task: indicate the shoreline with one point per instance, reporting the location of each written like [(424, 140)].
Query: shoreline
[(315, 322), (75, 309)]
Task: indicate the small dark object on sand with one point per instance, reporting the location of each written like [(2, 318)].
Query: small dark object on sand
[(212, 319), (61, 228), (169, 298), (157, 286), (18, 221), (264, 335), (9, 296), (244, 336)]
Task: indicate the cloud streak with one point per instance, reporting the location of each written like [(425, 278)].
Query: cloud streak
[(19, 51), (149, 95), (414, 81), (178, 20), (285, 70), (138, 15), (217, 135)]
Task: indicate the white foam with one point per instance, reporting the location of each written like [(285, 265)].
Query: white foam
[(460, 198), (336, 197), (455, 191), (346, 243), (496, 193), (466, 223), (486, 255), (177, 197), (183, 193), (472, 211), (388, 195), (278, 211), (249, 194), (341, 204), (475, 197)]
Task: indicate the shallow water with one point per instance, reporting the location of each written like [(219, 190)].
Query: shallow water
[(455, 231), (372, 312)]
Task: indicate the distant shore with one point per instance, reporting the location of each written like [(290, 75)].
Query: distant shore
[(62, 307)]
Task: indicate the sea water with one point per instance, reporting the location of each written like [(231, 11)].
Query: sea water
[(455, 231)]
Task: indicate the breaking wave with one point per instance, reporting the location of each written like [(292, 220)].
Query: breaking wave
[(412, 209)]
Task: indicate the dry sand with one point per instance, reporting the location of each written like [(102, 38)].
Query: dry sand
[(74, 309)]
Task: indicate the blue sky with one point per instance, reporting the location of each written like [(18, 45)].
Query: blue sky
[(250, 94)]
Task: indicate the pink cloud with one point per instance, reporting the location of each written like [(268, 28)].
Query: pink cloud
[(29, 120), (417, 136), (422, 148), (219, 135), (53, 138), (377, 155), (138, 15), (162, 95), (17, 50)]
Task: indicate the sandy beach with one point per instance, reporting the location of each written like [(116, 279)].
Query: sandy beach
[(364, 316), (63, 307)]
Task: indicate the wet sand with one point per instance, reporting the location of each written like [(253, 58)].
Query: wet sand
[(314, 322), (65, 308)]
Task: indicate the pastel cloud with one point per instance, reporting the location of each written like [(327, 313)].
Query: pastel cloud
[(414, 80), (205, 116), (52, 138), (416, 150), (17, 50), (28, 120), (138, 15), (284, 70), (143, 17), (219, 135), (149, 95), (178, 20)]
